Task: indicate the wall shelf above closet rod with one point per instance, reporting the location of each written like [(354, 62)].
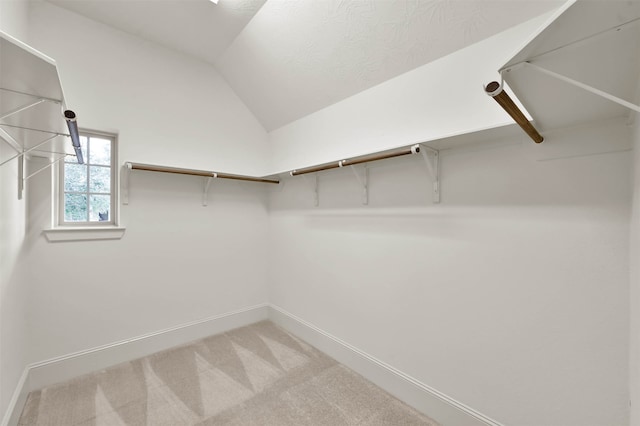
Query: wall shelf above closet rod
[(430, 155), (193, 172), (581, 67), (208, 175), (32, 99), (414, 149)]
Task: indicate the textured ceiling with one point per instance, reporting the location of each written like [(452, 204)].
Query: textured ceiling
[(196, 27), (289, 58), (298, 56)]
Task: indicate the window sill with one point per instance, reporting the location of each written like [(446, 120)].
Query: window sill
[(84, 234)]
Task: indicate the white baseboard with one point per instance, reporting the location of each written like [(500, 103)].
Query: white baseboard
[(73, 365), (19, 397), (437, 405), (69, 366)]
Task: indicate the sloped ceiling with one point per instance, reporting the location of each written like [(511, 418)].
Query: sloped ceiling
[(196, 27), (289, 58)]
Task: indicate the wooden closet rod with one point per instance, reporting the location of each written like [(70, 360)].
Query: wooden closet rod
[(358, 160), (166, 169), (496, 91)]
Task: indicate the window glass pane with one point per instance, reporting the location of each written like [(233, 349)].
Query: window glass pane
[(83, 147), (75, 207), (86, 195), (100, 207), (75, 177), (100, 179), (100, 151)]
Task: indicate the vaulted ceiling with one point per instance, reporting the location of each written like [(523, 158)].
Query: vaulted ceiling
[(289, 58)]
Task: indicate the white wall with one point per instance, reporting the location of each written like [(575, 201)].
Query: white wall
[(440, 99), (178, 261), (168, 108), (510, 296), (634, 296), (13, 294), (14, 18)]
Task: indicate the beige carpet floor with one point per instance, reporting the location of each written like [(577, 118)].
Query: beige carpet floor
[(254, 375)]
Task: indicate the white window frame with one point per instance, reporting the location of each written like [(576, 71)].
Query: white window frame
[(113, 212)]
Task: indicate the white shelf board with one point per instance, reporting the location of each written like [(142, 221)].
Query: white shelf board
[(593, 42), (24, 70), (575, 21)]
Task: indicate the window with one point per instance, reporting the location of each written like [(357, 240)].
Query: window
[(87, 191)]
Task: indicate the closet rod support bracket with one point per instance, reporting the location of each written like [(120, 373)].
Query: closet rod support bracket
[(21, 163), (25, 152), (205, 192), (583, 86), (125, 184), (22, 108), (31, 95), (432, 160), (11, 141), (314, 184), (362, 180), (51, 163)]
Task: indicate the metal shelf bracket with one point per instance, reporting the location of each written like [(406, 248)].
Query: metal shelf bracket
[(57, 160), (22, 157), (21, 162), (21, 152), (21, 168), (583, 86), (22, 108), (33, 148), (314, 185), (31, 95), (205, 192), (126, 176), (363, 180), (11, 141), (432, 159)]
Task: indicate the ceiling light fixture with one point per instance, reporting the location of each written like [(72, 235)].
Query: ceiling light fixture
[(214, 1)]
